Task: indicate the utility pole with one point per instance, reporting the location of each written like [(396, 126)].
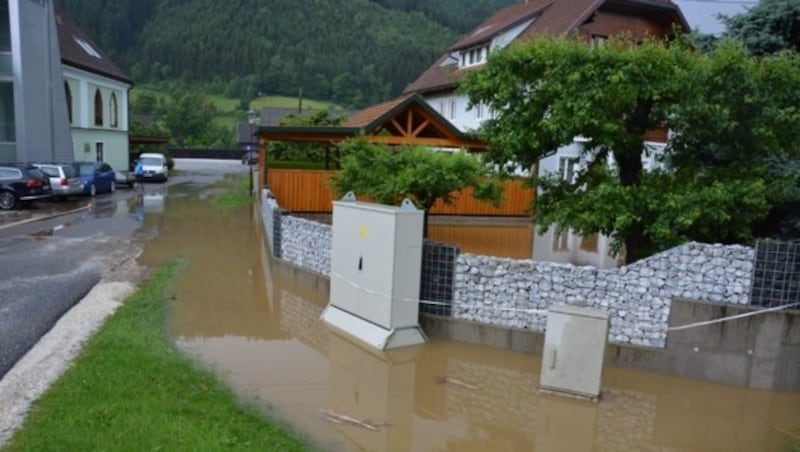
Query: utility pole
[(300, 103)]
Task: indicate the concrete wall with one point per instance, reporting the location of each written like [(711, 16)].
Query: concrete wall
[(760, 352)]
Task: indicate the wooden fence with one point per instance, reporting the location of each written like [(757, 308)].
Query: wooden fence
[(309, 191)]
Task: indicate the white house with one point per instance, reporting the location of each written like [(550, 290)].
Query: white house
[(590, 20), (97, 94)]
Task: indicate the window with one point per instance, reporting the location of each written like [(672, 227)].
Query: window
[(99, 147), (10, 173), (479, 111), (561, 240), (7, 123), (88, 48), (114, 111), (567, 168), (5, 30), (442, 106), (596, 41), (452, 109), (68, 93), (98, 108), (589, 243)]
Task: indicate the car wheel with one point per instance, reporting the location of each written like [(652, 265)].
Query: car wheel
[(7, 200), (113, 187), (92, 190)]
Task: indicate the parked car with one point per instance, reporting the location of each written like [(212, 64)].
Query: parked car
[(22, 183), (250, 158), (64, 179), (96, 176), (154, 167), (125, 178)]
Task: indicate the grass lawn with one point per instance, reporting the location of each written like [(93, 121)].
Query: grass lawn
[(130, 389), (289, 102)]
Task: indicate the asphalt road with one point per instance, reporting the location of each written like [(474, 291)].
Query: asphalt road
[(48, 265)]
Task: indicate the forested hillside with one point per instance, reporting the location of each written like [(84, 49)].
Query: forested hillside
[(353, 52)]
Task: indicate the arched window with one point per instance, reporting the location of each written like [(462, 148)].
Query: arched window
[(98, 108), (68, 93), (114, 111)]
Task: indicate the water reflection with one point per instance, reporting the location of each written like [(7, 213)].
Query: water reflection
[(236, 313)]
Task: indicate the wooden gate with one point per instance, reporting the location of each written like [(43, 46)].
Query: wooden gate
[(309, 191)]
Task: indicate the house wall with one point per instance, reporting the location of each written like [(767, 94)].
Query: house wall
[(85, 134), (607, 23)]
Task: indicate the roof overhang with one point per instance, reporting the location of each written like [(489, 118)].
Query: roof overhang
[(406, 120)]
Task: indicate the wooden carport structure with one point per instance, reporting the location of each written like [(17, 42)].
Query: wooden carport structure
[(406, 120)]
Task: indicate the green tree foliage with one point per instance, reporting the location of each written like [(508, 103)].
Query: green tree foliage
[(421, 174), (548, 91), (750, 130), (280, 150), (769, 27), (459, 15), (345, 51)]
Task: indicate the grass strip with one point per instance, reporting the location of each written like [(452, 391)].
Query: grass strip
[(130, 389), (238, 194)]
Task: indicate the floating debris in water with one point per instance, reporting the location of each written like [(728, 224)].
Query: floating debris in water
[(455, 381), (341, 418)]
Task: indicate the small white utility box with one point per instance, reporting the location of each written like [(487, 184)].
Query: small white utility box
[(376, 260), (574, 347)]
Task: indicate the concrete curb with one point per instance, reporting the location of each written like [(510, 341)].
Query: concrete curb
[(44, 218)]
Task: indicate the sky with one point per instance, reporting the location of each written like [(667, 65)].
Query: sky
[(702, 14)]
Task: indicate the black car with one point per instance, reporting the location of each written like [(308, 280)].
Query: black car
[(22, 183)]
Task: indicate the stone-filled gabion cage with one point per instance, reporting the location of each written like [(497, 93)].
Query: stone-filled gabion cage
[(776, 274)]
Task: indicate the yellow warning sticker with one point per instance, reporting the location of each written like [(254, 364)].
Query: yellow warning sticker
[(362, 231)]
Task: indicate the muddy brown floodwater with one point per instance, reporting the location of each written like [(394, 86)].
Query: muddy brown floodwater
[(262, 335)]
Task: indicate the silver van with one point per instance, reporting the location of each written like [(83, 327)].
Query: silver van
[(154, 167), (63, 179)]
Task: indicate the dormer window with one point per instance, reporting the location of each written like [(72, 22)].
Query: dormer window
[(474, 56), (88, 48)]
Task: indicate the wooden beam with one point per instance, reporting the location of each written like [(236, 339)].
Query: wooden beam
[(399, 127), (409, 122), (420, 128), (262, 160), (437, 142)]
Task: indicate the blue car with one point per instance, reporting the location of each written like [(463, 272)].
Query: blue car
[(97, 177)]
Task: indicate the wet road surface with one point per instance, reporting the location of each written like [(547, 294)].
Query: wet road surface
[(47, 266), (260, 332)]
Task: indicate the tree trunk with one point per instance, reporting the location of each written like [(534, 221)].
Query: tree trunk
[(630, 175)]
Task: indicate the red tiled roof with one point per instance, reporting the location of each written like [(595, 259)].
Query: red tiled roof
[(552, 17), (368, 115), (74, 55)]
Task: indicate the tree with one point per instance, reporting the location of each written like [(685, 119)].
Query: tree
[(424, 175), (304, 151), (767, 28), (188, 116), (548, 91), (750, 130)]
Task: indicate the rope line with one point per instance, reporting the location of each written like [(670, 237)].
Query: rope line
[(733, 317), (543, 312)]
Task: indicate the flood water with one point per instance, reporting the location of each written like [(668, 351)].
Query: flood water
[(261, 334)]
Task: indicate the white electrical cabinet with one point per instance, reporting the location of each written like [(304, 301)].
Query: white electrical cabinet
[(376, 260), (574, 348)]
